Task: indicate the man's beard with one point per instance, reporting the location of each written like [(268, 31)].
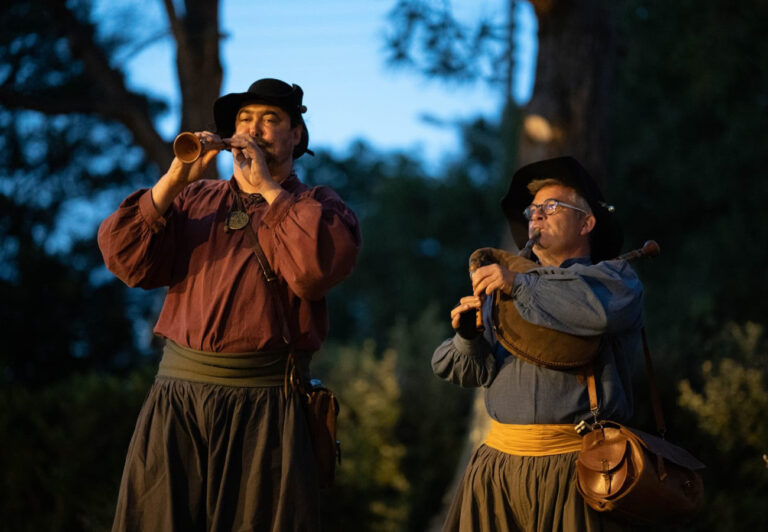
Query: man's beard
[(272, 159)]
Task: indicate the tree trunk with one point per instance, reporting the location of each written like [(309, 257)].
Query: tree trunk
[(197, 60), (569, 109), (574, 74), (197, 64)]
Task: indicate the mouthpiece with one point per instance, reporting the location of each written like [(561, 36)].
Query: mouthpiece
[(527, 250)]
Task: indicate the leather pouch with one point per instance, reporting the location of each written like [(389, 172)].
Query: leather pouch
[(638, 477), (322, 412)]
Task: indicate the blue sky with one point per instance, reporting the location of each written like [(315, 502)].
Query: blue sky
[(334, 49)]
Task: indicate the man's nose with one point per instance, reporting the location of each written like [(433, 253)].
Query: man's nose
[(537, 212)]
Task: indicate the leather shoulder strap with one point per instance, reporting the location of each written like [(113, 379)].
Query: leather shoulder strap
[(658, 412), (271, 278)]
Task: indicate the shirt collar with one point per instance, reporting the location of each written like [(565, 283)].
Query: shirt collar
[(586, 261)]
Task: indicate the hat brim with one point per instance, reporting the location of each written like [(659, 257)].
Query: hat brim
[(607, 237)]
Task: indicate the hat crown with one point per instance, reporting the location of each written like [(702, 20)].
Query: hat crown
[(270, 88)]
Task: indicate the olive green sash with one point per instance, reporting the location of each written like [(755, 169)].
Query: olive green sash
[(251, 369)]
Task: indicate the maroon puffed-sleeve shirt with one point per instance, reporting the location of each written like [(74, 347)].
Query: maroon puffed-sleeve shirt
[(217, 299)]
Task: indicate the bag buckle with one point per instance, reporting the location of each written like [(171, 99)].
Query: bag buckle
[(583, 428)]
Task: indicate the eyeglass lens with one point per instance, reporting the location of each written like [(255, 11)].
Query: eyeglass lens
[(548, 207)]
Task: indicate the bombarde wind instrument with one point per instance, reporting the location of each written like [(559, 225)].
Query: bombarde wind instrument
[(534, 343), (187, 147)]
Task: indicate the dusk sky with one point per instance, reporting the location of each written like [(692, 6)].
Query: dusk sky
[(335, 49)]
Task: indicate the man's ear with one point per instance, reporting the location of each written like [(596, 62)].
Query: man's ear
[(297, 131), (588, 225)]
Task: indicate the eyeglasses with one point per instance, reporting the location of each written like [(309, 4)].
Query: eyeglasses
[(549, 207)]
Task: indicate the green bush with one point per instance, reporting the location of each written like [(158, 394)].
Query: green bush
[(64, 448)]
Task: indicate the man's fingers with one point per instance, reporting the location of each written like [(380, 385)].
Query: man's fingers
[(207, 156), (466, 304), (493, 284), (488, 279), (245, 143), (457, 313), (459, 310), (482, 276), (472, 301), (483, 285)]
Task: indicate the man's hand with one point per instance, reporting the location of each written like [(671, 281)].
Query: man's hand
[(487, 279), (180, 174), (463, 316), (185, 173), (251, 164)]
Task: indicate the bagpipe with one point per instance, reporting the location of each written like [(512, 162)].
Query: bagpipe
[(534, 343)]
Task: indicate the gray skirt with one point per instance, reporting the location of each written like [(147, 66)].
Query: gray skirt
[(503, 492), (209, 457)]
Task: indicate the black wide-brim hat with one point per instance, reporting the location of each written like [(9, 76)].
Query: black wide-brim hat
[(267, 91), (606, 238)]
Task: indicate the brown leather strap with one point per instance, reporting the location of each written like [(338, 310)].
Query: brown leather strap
[(271, 278), (592, 391), (294, 377), (658, 413)]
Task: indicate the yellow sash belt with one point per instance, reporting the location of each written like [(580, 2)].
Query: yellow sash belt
[(533, 440)]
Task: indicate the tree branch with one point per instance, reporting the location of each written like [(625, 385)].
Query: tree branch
[(49, 104), (173, 21), (118, 102)]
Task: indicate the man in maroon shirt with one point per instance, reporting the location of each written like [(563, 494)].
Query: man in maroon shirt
[(219, 444)]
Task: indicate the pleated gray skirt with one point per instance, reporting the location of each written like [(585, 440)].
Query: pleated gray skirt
[(501, 492), (209, 457)]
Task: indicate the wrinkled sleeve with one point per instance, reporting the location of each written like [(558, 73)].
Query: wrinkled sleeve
[(311, 240), (136, 244), (468, 363), (581, 299)]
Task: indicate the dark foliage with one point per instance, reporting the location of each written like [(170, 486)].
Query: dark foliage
[(418, 230), (687, 170)]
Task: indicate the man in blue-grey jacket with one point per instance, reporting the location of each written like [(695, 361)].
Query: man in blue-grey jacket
[(522, 477)]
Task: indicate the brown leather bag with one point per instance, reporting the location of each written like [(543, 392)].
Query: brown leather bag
[(322, 412), (637, 477)]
